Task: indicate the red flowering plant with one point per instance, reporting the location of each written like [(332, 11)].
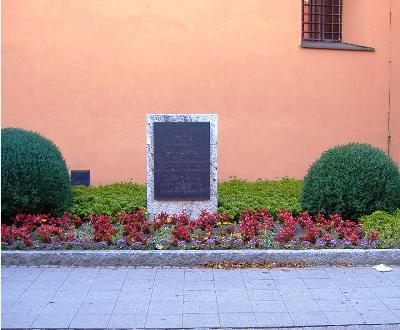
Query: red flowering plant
[(207, 220), (373, 236), (254, 223), (160, 220), (30, 222), (135, 226), (66, 221), (288, 231), (103, 228), (181, 219), (181, 232), (7, 233), (311, 231), (22, 233), (46, 231), (255, 229)]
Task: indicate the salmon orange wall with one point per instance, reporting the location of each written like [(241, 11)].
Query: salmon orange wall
[(85, 74)]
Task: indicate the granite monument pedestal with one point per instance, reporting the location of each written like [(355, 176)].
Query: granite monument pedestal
[(181, 164)]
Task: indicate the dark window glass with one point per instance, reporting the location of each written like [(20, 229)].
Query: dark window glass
[(322, 20)]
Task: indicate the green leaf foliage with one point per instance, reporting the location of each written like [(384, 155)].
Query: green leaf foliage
[(352, 180), (108, 199), (234, 196), (387, 225), (237, 195), (34, 175)]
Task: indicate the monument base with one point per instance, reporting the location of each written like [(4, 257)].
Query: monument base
[(174, 167)]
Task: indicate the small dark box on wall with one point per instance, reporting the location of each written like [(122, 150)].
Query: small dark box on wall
[(80, 177)]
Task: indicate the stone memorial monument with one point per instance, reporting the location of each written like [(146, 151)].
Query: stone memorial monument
[(181, 163)]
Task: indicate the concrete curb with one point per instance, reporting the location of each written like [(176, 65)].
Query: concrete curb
[(180, 258)]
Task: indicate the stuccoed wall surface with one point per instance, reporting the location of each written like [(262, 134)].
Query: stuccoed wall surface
[(193, 208)]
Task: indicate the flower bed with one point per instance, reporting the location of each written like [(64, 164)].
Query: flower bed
[(254, 229)]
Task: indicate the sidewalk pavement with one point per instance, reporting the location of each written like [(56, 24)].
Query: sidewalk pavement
[(62, 297)]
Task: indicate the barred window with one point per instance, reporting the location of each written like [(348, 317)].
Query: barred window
[(322, 20)]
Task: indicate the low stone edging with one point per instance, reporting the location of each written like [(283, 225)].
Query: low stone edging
[(180, 258)]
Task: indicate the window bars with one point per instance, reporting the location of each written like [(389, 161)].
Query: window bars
[(322, 20)]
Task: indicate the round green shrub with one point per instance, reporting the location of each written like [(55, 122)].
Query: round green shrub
[(353, 180), (34, 175)]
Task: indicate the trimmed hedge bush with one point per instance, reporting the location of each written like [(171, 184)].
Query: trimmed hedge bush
[(387, 225), (237, 195), (352, 180), (108, 199), (34, 175), (234, 196)]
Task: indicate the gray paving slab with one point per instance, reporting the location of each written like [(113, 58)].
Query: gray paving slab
[(20, 320), (199, 275), (265, 306), (362, 305), (43, 284), (237, 320), (222, 274), (24, 306), (264, 295), (290, 283), (203, 320), (54, 320), (232, 296), (165, 307), (292, 294), (93, 321), (396, 312), (344, 318), (335, 305), (60, 308), (236, 284), (96, 308), (123, 307), (312, 273), (127, 321), (302, 306), (235, 307), (273, 319), (135, 296), (193, 307), (69, 296), (359, 293), (164, 321), (168, 285), (327, 293), (109, 285), (387, 292), (175, 298), (10, 296), (99, 296), (284, 273), (309, 318), (200, 296), (170, 274), (167, 295), (392, 303), (316, 283), (260, 284), (256, 274), (196, 285), (379, 317), (141, 274)]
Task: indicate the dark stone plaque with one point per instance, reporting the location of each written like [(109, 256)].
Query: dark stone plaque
[(182, 161), (80, 177)]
